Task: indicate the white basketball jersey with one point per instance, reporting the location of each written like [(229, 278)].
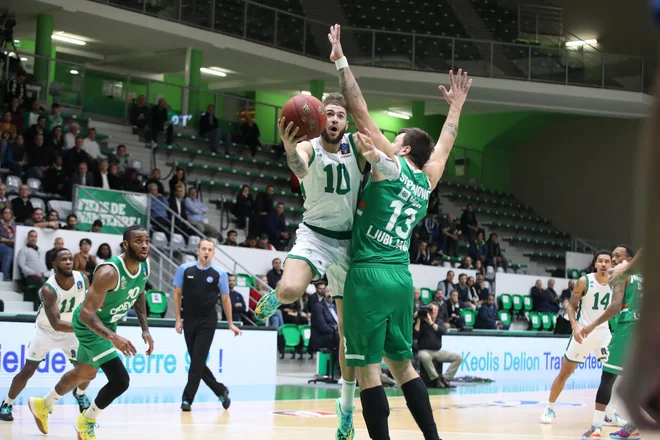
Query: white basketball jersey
[(594, 301), (67, 300), (331, 187)]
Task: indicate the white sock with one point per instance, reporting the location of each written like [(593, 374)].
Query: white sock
[(93, 412), (598, 418), (51, 398), (551, 405), (9, 401), (347, 395), (80, 392)]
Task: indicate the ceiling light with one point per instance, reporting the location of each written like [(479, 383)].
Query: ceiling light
[(23, 59), (73, 72), (60, 37), (398, 115), (305, 92), (580, 43), (212, 71)]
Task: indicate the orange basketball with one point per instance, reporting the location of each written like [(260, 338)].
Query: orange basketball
[(307, 113)]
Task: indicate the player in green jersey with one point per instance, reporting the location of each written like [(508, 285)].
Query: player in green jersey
[(378, 297), (626, 296), (118, 285)]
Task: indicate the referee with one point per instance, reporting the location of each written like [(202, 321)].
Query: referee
[(200, 283)]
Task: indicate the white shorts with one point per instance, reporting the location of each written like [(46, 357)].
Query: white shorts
[(597, 341), (324, 255), (43, 342)]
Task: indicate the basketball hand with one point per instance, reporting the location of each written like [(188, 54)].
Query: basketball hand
[(124, 346), (288, 135), (459, 86), (235, 329), (577, 333), (333, 37), (619, 271), (146, 337), (178, 326), (367, 146), (586, 330)]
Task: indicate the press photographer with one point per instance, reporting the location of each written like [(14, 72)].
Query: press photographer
[(428, 331)]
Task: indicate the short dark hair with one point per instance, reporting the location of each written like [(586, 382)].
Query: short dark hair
[(85, 240), (37, 209), (71, 215), (334, 99), (462, 275), (628, 249), (199, 245), (41, 117), (263, 237), (97, 222), (53, 210), (57, 252), (420, 143), (231, 231), (602, 252), (55, 105), (131, 229), (121, 146)]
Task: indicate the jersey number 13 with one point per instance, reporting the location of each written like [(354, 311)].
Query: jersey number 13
[(410, 214)]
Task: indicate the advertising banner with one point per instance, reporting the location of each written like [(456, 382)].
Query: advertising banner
[(116, 209), (250, 359)]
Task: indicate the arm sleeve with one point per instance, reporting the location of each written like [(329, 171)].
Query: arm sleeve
[(223, 283), (391, 169), (178, 278)]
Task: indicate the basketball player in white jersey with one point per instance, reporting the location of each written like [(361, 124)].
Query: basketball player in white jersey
[(589, 300), (330, 169), (60, 296)]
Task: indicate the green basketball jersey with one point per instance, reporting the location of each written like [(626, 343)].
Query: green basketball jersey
[(632, 300), (119, 300), (386, 215)]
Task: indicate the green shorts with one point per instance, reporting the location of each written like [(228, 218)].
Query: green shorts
[(92, 349), (378, 314), (621, 340)]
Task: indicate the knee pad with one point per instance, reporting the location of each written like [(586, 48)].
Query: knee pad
[(604, 393)]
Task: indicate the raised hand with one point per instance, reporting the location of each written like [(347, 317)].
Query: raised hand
[(334, 38), (288, 135), (369, 149), (459, 86)]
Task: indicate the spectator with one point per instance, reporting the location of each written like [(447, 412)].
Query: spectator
[(16, 89), (482, 289), (264, 244), (448, 284), (325, 323), (429, 341), (177, 205), (91, 146), (472, 299), (39, 157), (243, 206), (131, 183), (83, 261), (101, 177), (196, 212), (466, 264), (421, 255), (55, 118), (435, 255), (543, 300), (103, 253), (21, 205), (462, 287), (431, 227), (250, 242), (155, 179), (417, 295), (82, 177), (56, 179), (551, 289), (454, 306), (443, 313), (70, 137), (439, 296), (469, 224), (16, 157), (32, 266), (53, 216), (494, 255), (8, 132), (121, 159), (3, 198), (97, 226), (71, 223), (231, 238), (565, 294), (295, 313), (318, 295), (7, 241), (487, 315), (140, 116), (263, 205), (277, 229), (179, 177), (37, 220), (35, 129), (160, 122), (238, 307), (478, 248), (251, 134), (114, 180), (75, 156), (56, 140), (17, 115), (209, 127), (50, 255), (479, 268), (275, 274), (159, 216), (449, 236)]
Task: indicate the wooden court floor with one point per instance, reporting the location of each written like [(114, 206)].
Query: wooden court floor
[(459, 417)]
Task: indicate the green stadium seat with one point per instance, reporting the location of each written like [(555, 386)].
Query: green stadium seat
[(292, 337), (517, 303), (244, 280), (574, 274), (469, 317), (306, 332), (546, 320), (504, 316), (528, 303), (426, 295), (535, 320), (506, 303), (157, 302), (554, 321)]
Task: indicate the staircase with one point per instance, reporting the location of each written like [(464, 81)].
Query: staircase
[(13, 300)]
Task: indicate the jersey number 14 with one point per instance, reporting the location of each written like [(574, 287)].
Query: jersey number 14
[(604, 302)]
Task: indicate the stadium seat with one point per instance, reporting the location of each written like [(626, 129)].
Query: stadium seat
[(504, 317), (426, 295), (157, 302), (517, 303), (159, 240), (505, 301), (178, 242), (573, 274), (38, 203), (535, 320), (500, 269), (306, 332), (554, 322), (469, 317), (546, 319), (446, 264), (34, 185), (189, 258), (244, 280), (490, 270), (528, 303), (292, 337), (193, 242), (63, 207), (137, 165), (13, 183)]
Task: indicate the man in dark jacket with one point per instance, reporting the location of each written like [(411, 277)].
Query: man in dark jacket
[(454, 307), (469, 223), (277, 231), (543, 300), (317, 296), (158, 121), (487, 315), (209, 127), (264, 203), (238, 307), (16, 88), (324, 325)]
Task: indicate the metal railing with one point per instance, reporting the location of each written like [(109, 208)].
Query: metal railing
[(402, 50)]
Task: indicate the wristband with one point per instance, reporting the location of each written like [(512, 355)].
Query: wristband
[(341, 63)]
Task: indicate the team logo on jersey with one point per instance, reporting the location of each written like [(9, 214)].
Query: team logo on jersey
[(73, 354), (123, 283), (79, 284), (404, 194), (209, 280), (345, 149)]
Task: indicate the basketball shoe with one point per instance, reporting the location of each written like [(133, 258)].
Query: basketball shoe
[(345, 430), (617, 420), (627, 432), (6, 412), (548, 415), (85, 428), (266, 306), (593, 432), (40, 412), (83, 401)]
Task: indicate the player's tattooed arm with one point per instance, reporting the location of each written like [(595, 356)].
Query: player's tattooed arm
[(573, 305), (140, 307), (49, 298), (297, 164), (298, 153), (618, 289)]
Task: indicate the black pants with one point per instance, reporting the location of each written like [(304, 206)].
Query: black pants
[(199, 332)]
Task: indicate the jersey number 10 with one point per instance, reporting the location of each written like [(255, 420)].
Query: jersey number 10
[(342, 174)]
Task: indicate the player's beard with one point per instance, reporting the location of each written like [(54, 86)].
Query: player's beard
[(64, 274), (326, 137), (134, 255)]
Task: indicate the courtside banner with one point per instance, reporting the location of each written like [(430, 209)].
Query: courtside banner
[(116, 209), (504, 358), (249, 359)]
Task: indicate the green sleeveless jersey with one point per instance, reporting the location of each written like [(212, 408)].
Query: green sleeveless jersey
[(632, 300), (119, 300), (386, 215)]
